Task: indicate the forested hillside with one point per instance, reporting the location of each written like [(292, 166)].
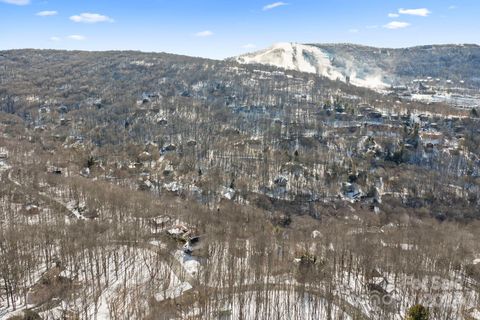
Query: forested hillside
[(155, 186)]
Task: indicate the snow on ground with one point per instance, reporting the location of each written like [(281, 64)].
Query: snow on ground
[(158, 244), (402, 291), (73, 208), (4, 166), (228, 193), (7, 312), (122, 288), (311, 59), (189, 263), (142, 63), (475, 314), (137, 279), (278, 304), (174, 290), (466, 101)]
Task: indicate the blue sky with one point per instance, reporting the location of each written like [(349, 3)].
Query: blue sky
[(219, 29)]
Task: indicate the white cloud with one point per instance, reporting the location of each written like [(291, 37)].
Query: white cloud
[(88, 17), (396, 25), (393, 15), (452, 7), (274, 5), (203, 34), (56, 39), (354, 31), (77, 37), (17, 2), (422, 12), (372, 27), (46, 13), (249, 46)]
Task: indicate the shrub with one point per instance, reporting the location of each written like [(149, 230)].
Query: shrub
[(418, 312)]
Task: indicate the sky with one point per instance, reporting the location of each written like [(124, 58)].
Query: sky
[(219, 29)]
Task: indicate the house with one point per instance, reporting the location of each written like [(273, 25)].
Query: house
[(54, 170), (174, 187), (168, 148), (430, 138), (183, 233), (421, 87), (62, 109), (159, 223), (64, 121), (375, 115), (31, 210), (316, 234), (423, 117), (144, 185), (40, 128), (148, 96), (351, 191), (364, 108), (168, 170), (280, 181), (400, 88), (228, 193), (394, 116), (162, 121), (191, 143), (44, 110), (85, 172), (193, 245)]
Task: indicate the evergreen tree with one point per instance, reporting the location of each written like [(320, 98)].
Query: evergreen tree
[(474, 113), (418, 312)]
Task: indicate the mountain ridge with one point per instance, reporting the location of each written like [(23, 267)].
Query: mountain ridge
[(372, 67)]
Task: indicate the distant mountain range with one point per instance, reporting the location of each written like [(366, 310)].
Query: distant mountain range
[(376, 68)]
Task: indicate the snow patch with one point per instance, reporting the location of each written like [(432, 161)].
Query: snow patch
[(189, 263)]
